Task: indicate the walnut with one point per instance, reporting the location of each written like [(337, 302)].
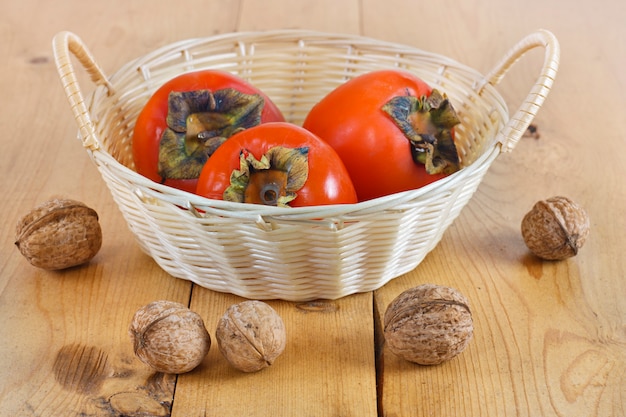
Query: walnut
[(58, 234), (251, 335), (169, 337), (428, 324), (555, 229)]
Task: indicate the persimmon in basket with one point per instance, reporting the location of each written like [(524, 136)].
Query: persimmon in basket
[(190, 116), (276, 164), (392, 130)]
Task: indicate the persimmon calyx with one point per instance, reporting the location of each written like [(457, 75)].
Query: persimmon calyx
[(198, 122), (427, 122), (271, 180)]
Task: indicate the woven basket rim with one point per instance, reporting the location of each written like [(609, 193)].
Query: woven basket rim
[(145, 187), (196, 203)]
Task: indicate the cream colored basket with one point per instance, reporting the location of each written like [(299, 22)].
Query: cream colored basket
[(306, 253)]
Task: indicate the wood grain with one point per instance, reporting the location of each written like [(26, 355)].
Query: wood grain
[(550, 337), (326, 368)]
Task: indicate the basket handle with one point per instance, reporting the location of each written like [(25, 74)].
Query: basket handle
[(521, 119), (65, 44)]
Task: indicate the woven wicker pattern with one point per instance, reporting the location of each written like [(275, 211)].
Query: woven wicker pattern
[(301, 253)]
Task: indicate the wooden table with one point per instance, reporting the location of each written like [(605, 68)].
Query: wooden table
[(550, 337)]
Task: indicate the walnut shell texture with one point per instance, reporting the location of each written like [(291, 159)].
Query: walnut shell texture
[(251, 335), (169, 337), (59, 234), (555, 229), (428, 324)]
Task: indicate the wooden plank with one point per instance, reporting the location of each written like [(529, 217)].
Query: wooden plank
[(544, 343), (67, 351), (327, 367)]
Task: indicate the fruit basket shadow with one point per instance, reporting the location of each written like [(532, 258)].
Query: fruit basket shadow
[(300, 253)]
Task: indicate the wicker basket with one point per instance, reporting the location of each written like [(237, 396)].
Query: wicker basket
[(295, 254)]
